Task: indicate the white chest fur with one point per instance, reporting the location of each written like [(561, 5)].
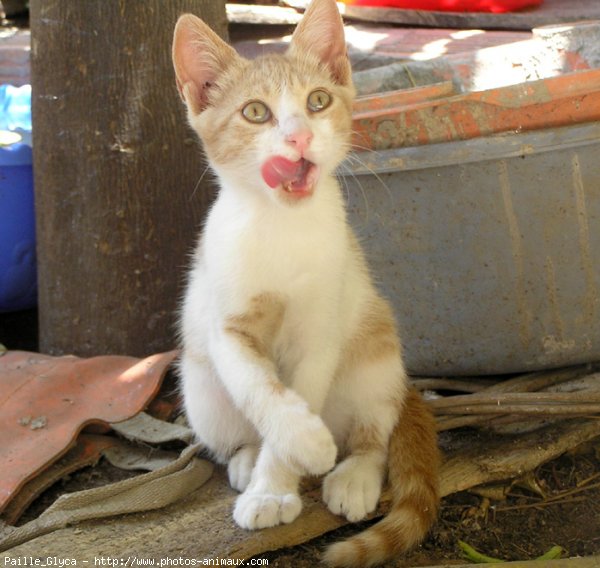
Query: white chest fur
[(254, 245)]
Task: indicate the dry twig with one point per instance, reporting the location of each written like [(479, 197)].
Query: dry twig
[(515, 399)]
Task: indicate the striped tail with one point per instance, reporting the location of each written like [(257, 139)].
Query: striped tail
[(414, 461)]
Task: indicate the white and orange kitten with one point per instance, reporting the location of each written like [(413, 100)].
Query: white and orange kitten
[(291, 358)]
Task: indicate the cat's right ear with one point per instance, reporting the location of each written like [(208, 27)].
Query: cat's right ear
[(199, 57)]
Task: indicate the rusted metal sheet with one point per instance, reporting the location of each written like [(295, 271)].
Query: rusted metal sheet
[(393, 99), (558, 101)]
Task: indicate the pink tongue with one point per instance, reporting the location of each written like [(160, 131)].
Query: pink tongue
[(278, 170)]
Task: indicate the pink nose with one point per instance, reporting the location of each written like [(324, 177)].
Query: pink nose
[(300, 139)]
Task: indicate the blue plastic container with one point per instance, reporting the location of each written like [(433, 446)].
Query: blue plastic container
[(15, 107), (18, 275)]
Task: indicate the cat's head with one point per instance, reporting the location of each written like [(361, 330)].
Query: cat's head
[(276, 124)]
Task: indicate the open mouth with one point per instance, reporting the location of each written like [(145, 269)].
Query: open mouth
[(295, 178)]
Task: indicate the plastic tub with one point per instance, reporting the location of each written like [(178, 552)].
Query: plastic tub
[(488, 248), (18, 288)]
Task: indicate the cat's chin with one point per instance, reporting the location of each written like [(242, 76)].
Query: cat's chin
[(293, 180), (298, 190)]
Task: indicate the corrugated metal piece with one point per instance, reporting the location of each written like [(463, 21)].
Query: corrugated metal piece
[(558, 101)]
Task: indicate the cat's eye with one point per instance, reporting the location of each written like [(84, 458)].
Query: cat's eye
[(256, 111), (318, 100)]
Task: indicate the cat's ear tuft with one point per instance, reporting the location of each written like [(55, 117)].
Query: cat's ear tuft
[(321, 32), (199, 57)]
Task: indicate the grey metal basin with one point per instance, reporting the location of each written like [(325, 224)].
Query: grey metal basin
[(488, 249)]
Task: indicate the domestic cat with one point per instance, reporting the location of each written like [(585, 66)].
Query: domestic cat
[(291, 359)]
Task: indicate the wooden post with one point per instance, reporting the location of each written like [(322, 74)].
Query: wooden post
[(118, 175)]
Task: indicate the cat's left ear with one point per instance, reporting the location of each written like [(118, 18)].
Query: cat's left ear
[(321, 32), (199, 57)]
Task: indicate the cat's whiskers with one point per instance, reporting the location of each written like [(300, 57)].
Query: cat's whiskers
[(355, 146), (354, 156), (350, 157), (341, 177), (364, 148), (344, 166), (206, 169)]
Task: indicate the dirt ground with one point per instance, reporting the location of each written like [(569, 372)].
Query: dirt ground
[(522, 527), (559, 505)]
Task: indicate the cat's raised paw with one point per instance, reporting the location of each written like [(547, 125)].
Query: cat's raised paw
[(240, 466), (262, 510), (352, 489), (307, 445)]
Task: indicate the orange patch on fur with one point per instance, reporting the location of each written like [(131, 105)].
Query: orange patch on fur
[(366, 439), (414, 461), (256, 328), (277, 386), (415, 437), (376, 337)]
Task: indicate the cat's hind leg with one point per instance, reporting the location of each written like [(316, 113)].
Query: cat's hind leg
[(241, 465), (362, 411), (353, 488), (216, 421)]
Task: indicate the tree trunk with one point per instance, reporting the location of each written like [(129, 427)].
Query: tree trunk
[(118, 175)]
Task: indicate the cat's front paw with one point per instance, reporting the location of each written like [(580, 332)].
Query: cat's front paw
[(352, 489), (304, 443), (262, 510)]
